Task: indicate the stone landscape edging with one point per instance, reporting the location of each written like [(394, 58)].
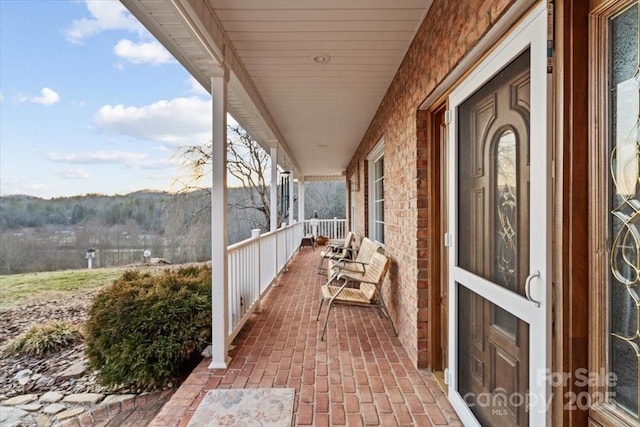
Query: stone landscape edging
[(105, 412)]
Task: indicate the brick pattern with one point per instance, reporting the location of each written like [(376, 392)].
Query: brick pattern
[(359, 376), (449, 31)]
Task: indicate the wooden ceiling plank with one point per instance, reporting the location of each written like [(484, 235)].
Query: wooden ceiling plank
[(305, 36), (294, 26), (343, 53), (392, 14), (307, 60), (325, 4), (326, 71), (329, 46)]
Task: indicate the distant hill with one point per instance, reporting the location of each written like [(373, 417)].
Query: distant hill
[(42, 235), (29, 211), (52, 234)]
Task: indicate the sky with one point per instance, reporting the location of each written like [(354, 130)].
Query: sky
[(90, 102)]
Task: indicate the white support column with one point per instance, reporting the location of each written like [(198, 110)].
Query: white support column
[(255, 234), (273, 203), (219, 294), (274, 189), (301, 200), (291, 216)]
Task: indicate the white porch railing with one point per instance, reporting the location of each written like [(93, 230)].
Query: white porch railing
[(331, 228), (253, 264)]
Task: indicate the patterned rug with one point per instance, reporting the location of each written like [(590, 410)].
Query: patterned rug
[(265, 407)]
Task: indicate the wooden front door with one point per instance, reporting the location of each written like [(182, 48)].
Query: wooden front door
[(498, 273), (493, 220)]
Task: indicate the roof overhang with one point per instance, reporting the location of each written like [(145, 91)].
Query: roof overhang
[(305, 78)]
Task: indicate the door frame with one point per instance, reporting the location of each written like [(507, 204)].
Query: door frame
[(437, 165), (531, 33)]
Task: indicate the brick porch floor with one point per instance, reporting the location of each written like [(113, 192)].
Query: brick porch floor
[(360, 375)]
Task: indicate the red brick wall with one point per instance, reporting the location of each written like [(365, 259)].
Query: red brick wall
[(448, 32)]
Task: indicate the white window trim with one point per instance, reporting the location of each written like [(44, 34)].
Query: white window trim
[(374, 155), (352, 211)]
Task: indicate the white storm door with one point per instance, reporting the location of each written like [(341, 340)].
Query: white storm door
[(499, 274)]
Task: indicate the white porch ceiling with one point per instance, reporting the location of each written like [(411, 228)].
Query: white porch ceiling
[(317, 113)]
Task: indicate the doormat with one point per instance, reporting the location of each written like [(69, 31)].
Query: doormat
[(263, 407)]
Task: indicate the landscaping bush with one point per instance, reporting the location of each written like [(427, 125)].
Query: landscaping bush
[(41, 340), (144, 330)]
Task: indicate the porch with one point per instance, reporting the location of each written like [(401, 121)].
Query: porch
[(363, 92), (361, 374)]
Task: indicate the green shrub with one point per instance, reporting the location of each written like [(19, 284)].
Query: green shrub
[(40, 340), (145, 330)]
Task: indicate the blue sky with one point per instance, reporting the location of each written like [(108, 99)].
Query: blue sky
[(90, 102)]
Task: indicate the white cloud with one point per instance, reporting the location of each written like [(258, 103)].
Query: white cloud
[(177, 122), (163, 149), (142, 53), (71, 173), (105, 15), (196, 88), (1, 97), (127, 158), (10, 186), (47, 97), (161, 177), (97, 157)]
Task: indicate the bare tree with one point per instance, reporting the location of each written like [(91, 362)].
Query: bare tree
[(247, 165)]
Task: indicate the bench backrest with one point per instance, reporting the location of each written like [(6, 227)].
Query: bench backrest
[(376, 272), (367, 248), (348, 243)]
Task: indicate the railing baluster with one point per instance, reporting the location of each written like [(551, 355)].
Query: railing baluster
[(253, 266), (332, 228)]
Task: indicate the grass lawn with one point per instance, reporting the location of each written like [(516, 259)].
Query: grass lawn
[(19, 289)]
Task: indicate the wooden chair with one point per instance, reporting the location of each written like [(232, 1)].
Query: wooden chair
[(336, 251), (366, 294)]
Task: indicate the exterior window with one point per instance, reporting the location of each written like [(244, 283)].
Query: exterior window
[(376, 192), (354, 187), (615, 220), (352, 222), (624, 216)]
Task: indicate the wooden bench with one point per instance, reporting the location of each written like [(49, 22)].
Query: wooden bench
[(358, 288), (367, 248)]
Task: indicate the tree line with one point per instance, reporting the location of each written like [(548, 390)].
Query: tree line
[(54, 234)]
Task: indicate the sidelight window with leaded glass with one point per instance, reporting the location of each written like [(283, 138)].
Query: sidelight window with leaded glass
[(624, 209)]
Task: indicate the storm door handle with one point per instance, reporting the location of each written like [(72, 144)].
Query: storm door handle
[(527, 287)]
